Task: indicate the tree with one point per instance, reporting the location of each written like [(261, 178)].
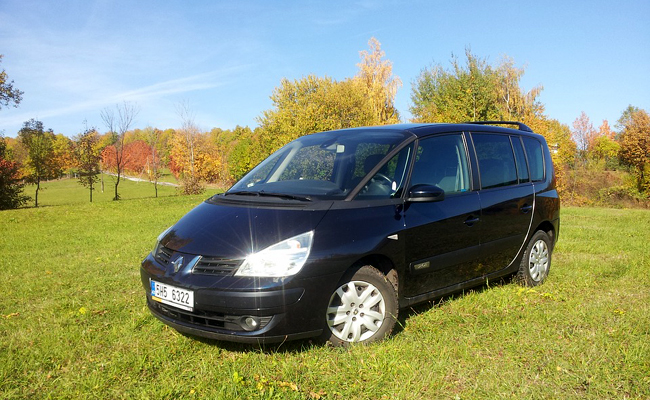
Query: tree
[(605, 130), (583, 133), (41, 164), (187, 138), (513, 103), (63, 153), (475, 91), (153, 136), (635, 146), (605, 148), (313, 104), (88, 155), (464, 93), (626, 118), (377, 75), (11, 188), (118, 124), (8, 94)]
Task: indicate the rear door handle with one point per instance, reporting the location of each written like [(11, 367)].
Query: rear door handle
[(471, 220), (526, 208)]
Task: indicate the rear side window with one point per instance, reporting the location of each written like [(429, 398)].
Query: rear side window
[(522, 168), (496, 161), (535, 158)]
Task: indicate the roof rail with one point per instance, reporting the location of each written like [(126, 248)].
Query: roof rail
[(522, 127)]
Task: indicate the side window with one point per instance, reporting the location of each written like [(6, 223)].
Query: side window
[(496, 161), (522, 167), (535, 158), (442, 161), (389, 181)]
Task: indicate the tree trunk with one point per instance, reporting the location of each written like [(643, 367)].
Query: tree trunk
[(38, 186), (117, 196)]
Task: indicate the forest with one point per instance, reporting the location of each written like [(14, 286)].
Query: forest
[(603, 166)]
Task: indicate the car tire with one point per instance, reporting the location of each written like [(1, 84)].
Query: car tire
[(362, 309), (536, 262)]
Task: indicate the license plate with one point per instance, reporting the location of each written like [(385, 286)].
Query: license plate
[(172, 295)]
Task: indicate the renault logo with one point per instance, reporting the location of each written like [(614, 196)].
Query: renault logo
[(178, 264)]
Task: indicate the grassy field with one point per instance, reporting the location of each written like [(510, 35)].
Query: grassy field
[(73, 320), (70, 191)]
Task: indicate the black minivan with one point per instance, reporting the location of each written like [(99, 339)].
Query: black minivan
[(334, 233)]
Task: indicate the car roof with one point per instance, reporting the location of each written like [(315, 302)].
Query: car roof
[(425, 129)]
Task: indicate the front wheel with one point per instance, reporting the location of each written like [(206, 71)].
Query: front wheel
[(536, 262), (362, 309)]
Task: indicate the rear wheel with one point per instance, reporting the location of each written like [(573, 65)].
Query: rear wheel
[(536, 262), (362, 309)]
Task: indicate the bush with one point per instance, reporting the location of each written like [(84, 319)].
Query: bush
[(191, 185)]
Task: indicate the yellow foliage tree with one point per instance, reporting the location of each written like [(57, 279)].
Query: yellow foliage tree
[(376, 74)]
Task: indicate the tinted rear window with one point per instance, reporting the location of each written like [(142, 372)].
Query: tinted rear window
[(522, 168), (535, 158)]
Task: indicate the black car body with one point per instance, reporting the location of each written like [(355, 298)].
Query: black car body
[(409, 212)]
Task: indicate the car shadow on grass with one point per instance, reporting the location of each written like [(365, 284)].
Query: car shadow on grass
[(301, 345), (407, 313)]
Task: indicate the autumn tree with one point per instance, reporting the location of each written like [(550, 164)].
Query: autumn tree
[(153, 137), (606, 130), (63, 153), (11, 186), (381, 86), (635, 146), (604, 145), (137, 157), (88, 155), (41, 164), (583, 133), (185, 146), (118, 121), (313, 104), (8, 94)]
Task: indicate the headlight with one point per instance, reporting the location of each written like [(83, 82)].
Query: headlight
[(282, 259)]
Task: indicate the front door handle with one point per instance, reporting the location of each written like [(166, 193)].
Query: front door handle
[(471, 220), (526, 208)]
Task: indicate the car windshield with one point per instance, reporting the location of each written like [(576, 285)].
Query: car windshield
[(327, 165)]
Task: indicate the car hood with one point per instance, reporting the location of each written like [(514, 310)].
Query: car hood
[(235, 231)]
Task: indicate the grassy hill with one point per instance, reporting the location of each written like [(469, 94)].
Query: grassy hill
[(73, 320)]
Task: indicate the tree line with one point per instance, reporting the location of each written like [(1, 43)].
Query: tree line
[(471, 89)]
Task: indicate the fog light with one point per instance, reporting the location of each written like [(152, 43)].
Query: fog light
[(249, 323)]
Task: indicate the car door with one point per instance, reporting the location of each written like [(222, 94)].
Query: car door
[(506, 196), (441, 237)]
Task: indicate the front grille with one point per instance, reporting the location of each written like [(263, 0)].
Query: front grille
[(215, 266), (163, 254), (205, 266), (205, 318)]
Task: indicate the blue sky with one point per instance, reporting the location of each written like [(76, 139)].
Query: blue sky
[(224, 58)]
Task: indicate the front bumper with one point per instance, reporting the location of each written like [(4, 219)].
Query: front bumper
[(284, 309)]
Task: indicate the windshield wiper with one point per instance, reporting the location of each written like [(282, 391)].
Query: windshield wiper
[(269, 194), (242, 193)]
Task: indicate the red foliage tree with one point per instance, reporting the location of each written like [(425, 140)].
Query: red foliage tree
[(137, 157)]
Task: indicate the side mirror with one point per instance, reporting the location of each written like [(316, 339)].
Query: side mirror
[(425, 193)]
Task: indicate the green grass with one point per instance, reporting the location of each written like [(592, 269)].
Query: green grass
[(70, 191), (73, 321)]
